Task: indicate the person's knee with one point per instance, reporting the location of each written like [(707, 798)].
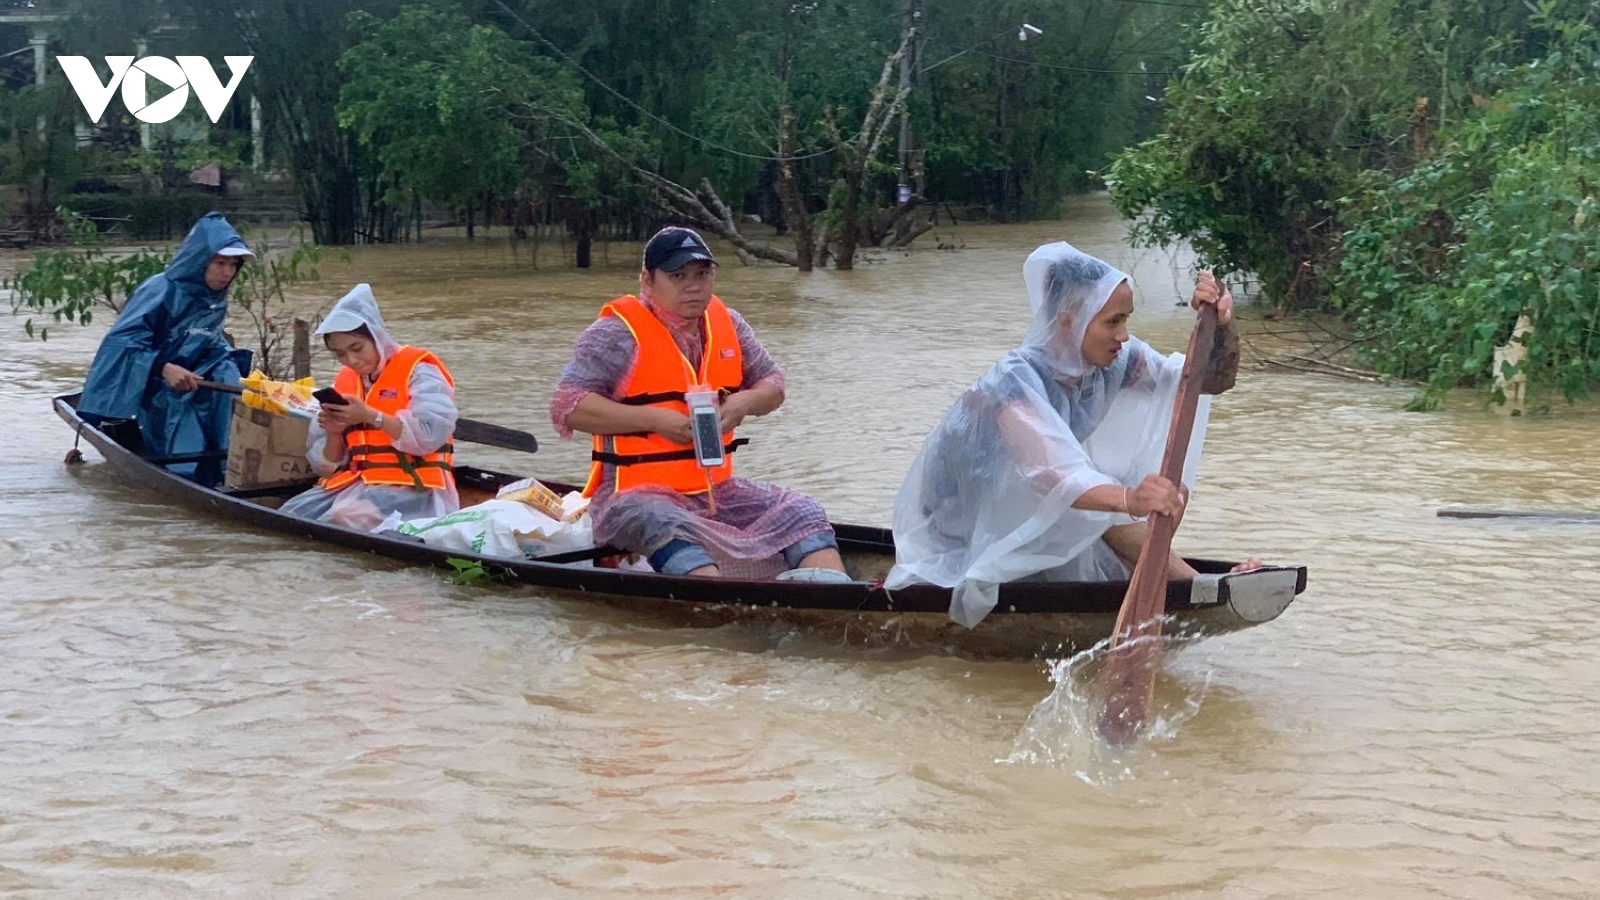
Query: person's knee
[(812, 509), (680, 557), (822, 540)]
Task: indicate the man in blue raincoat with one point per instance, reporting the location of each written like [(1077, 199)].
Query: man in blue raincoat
[(167, 339)]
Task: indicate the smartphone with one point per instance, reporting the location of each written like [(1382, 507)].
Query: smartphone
[(707, 427), (328, 395)]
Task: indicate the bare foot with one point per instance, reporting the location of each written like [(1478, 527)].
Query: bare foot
[(1249, 565)]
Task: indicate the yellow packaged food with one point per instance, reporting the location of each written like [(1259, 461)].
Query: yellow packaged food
[(285, 398), (536, 495)]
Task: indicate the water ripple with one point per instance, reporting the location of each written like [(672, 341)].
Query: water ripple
[(193, 709)]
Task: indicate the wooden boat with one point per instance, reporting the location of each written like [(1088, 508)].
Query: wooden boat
[(1032, 619)]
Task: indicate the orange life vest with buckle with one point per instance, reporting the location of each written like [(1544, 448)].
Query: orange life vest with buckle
[(661, 375), (373, 457)]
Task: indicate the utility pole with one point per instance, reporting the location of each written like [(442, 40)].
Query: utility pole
[(258, 153), (911, 69), (909, 64), (40, 42), (141, 49)]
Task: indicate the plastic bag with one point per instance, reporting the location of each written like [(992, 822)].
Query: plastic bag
[(503, 528)]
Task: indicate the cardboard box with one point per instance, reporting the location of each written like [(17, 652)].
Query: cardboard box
[(266, 449)]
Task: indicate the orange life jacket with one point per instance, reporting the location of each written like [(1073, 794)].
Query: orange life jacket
[(661, 375), (373, 457)]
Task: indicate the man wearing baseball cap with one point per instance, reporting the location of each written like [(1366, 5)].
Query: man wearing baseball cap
[(673, 248), (166, 340), (629, 385)]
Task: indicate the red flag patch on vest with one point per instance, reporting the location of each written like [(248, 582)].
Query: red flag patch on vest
[(388, 394), (727, 353)]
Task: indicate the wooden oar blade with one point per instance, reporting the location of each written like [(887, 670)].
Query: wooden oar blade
[(1134, 653), (475, 432), (1129, 680)]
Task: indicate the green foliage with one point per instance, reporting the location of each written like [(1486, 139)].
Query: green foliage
[(812, 57), (295, 75), (259, 293), (1283, 106), (146, 217), (458, 112), (425, 91), (36, 147), (1439, 263), (1425, 167), (375, 103), (467, 571), (69, 284), (171, 156), (1016, 126), (1006, 125)]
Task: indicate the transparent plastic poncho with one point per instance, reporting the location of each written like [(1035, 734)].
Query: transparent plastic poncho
[(425, 425), (989, 499)]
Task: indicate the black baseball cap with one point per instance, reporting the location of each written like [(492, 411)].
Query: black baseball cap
[(673, 248)]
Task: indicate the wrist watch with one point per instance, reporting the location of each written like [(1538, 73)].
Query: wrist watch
[(377, 420)]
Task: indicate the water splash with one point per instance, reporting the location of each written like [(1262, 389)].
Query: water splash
[(1062, 731)]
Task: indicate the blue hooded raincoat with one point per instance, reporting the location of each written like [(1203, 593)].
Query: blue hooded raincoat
[(172, 318)]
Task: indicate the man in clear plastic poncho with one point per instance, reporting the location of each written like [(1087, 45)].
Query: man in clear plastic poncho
[(1044, 468), (387, 450), (167, 339)]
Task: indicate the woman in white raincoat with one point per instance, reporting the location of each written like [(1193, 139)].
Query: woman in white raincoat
[(1042, 469), (388, 450)]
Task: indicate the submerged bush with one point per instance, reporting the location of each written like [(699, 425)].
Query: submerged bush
[(1438, 265)]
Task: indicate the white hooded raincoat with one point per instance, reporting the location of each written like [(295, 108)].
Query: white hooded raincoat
[(989, 498), (426, 425)]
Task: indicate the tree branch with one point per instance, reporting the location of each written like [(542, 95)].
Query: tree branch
[(704, 209)]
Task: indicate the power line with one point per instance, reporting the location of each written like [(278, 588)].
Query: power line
[(1167, 3), (645, 112), (707, 142), (1161, 28), (1044, 65)]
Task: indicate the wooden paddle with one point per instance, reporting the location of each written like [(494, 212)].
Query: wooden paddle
[(1135, 642), (470, 430)]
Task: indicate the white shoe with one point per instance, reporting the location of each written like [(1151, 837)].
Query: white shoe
[(832, 576)]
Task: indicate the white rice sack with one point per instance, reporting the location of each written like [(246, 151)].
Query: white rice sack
[(505, 528), (488, 529)]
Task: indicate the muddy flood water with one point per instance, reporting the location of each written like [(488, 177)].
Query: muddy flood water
[(194, 709)]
